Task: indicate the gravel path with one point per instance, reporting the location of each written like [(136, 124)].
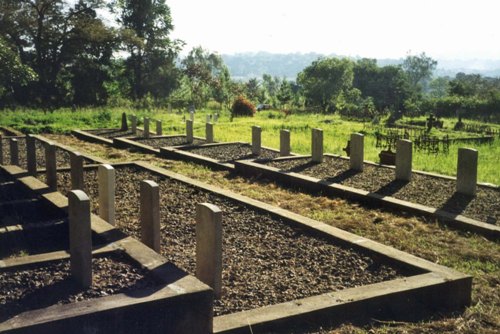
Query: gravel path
[(265, 261), (50, 284), (232, 152), (113, 133), (168, 141), (422, 189)]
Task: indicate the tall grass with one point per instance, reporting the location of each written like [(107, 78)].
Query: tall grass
[(336, 132)]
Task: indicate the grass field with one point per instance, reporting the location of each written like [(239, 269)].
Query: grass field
[(336, 133)]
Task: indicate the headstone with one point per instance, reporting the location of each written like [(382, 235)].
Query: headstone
[(106, 180), (216, 117), (159, 130), (404, 152), (317, 145), (150, 215), (356, 157), (124, 126), (80, 238), (1, 149), (285, 143), (134, 124), (14, 152), (51, 166), (189, 131), (146, 127), (31, 154), (76, 172), (209, 118), (209, 132), (467, 171), (256, 140), (209, 246)]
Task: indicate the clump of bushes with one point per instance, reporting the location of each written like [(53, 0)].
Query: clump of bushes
[(242, 107)]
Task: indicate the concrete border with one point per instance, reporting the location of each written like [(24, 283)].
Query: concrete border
[(433, 288), (310, 184), (11, 132), (179, 304), (129, 142)]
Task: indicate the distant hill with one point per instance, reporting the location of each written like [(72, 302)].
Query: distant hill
[(244, 66)]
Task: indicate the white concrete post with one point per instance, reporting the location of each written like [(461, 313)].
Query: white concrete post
[(285, 143), (76, 172), (209, 132), (189, 131), (150, 215), (146, 127), (80, 238), (256, 140), (467, 171), (51, 166), (404, 152), (317, 145), (106, 180), (134, 124), (159, 130), (31, 155), (209, 246), (357, 151), (14, 152)]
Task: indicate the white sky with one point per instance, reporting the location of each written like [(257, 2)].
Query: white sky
[(445, 29)]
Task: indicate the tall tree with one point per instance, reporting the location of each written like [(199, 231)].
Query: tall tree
[(324, 80), (150, 67), (419, 70), (42, 30)]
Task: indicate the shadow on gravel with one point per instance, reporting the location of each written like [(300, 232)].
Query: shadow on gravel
[(391, 188), (339, 178), (457, 203)]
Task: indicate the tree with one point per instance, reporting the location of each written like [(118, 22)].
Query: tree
[(285, 93), (42, 31), (419, 70), (324, 80), (150, 67)]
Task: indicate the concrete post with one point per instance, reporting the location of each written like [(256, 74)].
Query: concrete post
[(159, 130), (124, 126), (209, 246), (189, 131), (356, 157), (208, 118), (80, 238), (76, 172), (134, 124), (14, 152), (256, 140), (404, 153), (467, 171), (317, 145), (51, 166), (216, 117), (150, 215), (285, 143), (209, 132), (106, 180), (146, 127), (1, 149), (31, 155)]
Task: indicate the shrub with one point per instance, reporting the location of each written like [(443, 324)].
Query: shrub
[(242, 107)]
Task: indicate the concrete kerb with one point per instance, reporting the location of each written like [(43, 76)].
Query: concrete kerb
[(311, 184), (188, 300)]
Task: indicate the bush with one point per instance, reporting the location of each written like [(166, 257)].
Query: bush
[(242, 107)]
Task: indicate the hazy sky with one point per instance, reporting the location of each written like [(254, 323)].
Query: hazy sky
[(446, 29)]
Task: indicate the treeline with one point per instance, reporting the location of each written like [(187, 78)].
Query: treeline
[(56, 53)]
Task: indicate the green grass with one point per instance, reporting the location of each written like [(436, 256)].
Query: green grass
[(336, 133)]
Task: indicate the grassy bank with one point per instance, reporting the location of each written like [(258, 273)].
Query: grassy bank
[(336, 133)]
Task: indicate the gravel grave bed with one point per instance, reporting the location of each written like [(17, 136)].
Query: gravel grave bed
[(62, 156), (113, 133), (422, 189), (168, 141), (33, 211), (265, 261), (232, 152), (50, 283)]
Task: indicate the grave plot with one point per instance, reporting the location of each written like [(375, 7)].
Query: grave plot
[(38, 151), (279, 267), (153, 144), (119, 286)]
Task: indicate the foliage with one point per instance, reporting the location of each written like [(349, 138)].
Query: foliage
[(324, 80), (419, 70), (242, 107)]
